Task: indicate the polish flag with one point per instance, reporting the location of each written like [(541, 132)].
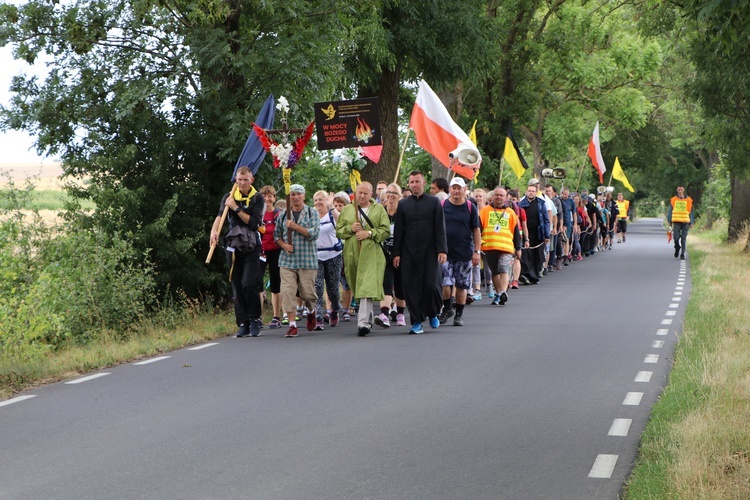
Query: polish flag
[(595, 153), (435, 130)]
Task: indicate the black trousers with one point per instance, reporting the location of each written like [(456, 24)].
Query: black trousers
[(245, 268)]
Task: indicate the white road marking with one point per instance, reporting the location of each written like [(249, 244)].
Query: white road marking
[(678, 293), (633, 398), (86, 379), (643, 377), (603, 466), (620, 427), (657, 344), (679, 288), (676, 299), (153, 360), (651, 358), (671, 313), (198, 348), (16, 400), (663, 331), (674, 305), (666, 322)]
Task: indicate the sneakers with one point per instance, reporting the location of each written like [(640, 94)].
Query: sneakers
[(676, 252), (275, 323), (311, 322), (346, 316), (444, 316), (382, 321), (255, 326), (400, 320), (514, 285), (334, 319), (491, 293), (394, 315), (292, 332), (416, 329), (503, 298), (319, 324), (458, 321), (362, 331), (682, 257), (496, 300), (244, 331), (285, 320), (523, 279), (477, 295), (435, 322)]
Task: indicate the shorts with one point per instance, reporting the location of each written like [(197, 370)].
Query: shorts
[(457, 273), (622, 225), (499, 262)]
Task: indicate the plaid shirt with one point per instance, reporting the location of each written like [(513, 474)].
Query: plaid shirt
[(305, 255)]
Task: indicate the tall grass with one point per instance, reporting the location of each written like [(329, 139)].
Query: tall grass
[(697, 443)]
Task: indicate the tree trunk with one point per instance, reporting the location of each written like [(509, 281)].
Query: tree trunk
[(387, 93), (739, 214)]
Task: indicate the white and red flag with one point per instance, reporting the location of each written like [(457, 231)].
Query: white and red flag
[(435, 130), (595, 153)]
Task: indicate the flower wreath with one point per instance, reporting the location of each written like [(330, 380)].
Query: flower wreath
[(285, 155)]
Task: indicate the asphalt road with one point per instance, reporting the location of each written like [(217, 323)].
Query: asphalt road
[(545, 397)]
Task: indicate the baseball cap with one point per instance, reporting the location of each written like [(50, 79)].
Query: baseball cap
[(297, 188), (533, 181), (457, 181)]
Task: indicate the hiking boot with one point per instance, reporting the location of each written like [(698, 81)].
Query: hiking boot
[(444, 316), (244, 331), (292, 332), (676, 252), (503, 298), (382, 321), (458, 321), (334, 319), (682, 257), (311, 321), (400, 320), (255, 326)]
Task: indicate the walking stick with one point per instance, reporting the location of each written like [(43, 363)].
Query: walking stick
[(221, 224)]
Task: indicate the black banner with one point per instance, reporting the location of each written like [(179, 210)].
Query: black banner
[(348, 124)]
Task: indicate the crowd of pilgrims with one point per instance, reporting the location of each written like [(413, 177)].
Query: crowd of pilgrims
[(361, 256)]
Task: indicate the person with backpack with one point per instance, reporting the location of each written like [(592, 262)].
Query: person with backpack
[(330, 261), (462, 224)]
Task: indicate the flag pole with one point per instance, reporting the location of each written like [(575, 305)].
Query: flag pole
[(502, 169), (580, 176), (401, 158), (610, 177), (221, 224)]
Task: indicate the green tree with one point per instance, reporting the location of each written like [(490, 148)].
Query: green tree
[(153, 102)]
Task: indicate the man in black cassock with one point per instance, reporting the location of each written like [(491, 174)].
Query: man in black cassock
[(419, 249)]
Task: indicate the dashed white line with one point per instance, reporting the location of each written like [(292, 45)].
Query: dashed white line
[(671, 313), (620, 427), (665, 322), (663, 331), (678, 293), (643, 377), (657, 344), (679, 288), (676, 299), (674, 305), (603, 466), (633, 398), (153, 360), (198, 348), (16, 400), (86, 379), (651, 358)]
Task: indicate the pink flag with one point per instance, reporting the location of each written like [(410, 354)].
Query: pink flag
[(595, 153), (435, 130), (373, 152)]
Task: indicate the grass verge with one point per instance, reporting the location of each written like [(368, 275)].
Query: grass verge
[(165, 332), (697, 442)]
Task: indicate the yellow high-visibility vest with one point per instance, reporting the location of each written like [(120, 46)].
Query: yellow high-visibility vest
[(623, 206), (681, 208), (498, 228)]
